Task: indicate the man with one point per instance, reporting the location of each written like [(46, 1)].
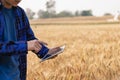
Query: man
[(16, 39)]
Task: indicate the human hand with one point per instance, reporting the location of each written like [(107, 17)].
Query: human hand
[(34, 45), (42, 42), (53, 51)]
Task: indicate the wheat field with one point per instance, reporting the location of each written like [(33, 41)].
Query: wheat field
[(92, 53)]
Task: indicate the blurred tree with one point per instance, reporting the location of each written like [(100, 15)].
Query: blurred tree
[(65, 14), (45, 14), (50, 7), (107, 14), (86, 13), (40, 13), (77, 13), (30, 13)]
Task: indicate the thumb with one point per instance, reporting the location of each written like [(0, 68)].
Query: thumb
[(44, 43)]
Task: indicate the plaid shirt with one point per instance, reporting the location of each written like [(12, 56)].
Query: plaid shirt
[(19, 47)]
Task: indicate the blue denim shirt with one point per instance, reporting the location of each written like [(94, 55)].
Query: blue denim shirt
[(19, 47), (9, 64)]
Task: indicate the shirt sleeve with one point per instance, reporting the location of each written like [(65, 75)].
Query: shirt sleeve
[(13, 48), (30, 36), (30, 33)]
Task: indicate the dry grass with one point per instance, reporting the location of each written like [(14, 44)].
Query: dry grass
[(92, 53), (73, 20)]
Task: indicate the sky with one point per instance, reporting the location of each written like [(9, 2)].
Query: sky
[(98, 7)]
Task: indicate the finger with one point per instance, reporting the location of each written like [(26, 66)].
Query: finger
[(54, 50), (54, 57), (38, 48), (44, 43), (39, 45)]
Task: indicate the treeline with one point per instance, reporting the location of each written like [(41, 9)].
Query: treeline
[(46, 14), (51, 13)]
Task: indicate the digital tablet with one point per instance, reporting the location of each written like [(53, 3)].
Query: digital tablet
[(48, 56)]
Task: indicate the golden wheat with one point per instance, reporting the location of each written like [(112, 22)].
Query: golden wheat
[(92, 53)]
